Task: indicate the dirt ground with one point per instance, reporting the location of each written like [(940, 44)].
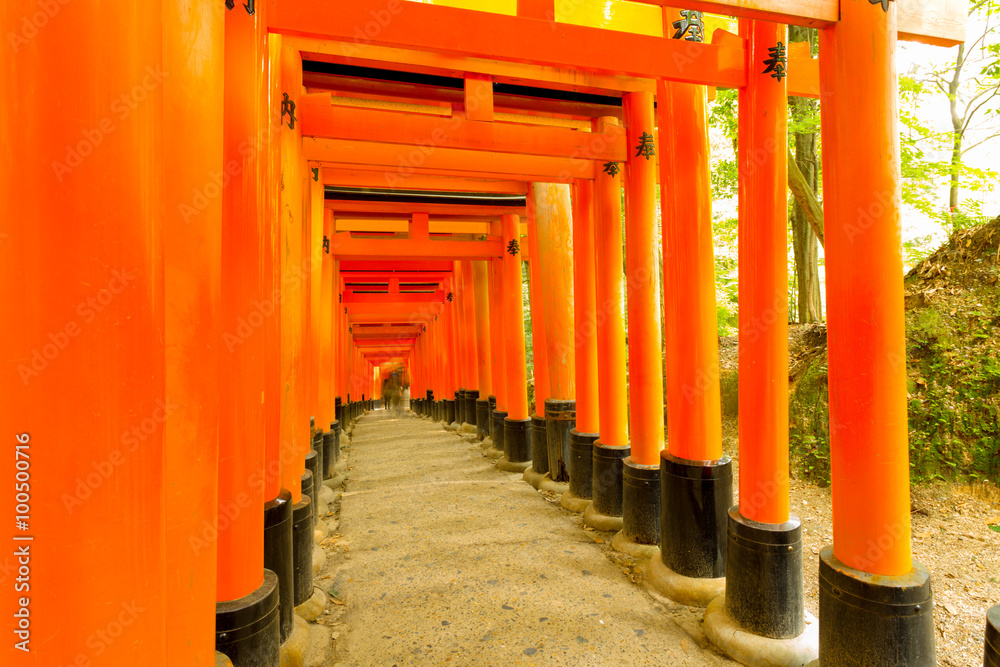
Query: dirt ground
[(951, 537)]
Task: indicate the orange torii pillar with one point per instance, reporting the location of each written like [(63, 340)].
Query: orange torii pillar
[(554, 218), (535, 475), (248, 594), (696, 478), (498, 344), (278, 552), (333, 304), (82, 286), (461, 343), (192, 240), (326, 412), (313, 224), (468, 296), (296, 260), (640, 470), (480, 277), (450, 357), (605, 510), (763, 602), (580, 463), (517, 424), (887, 608), (338, 326)]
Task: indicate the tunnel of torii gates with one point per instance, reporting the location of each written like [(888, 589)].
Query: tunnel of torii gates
[(255, 211)]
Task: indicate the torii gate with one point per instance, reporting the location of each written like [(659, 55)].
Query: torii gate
[(220, 215)]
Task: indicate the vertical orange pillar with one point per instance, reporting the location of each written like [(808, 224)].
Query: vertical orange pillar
[(241, 455), (294, 271), (640, 471), (323, 412), (484, 357), (82, 302), (315, 249), (451, 355), (585, 305), (461, 341), (499, 347), (471, 345), (612, 447), (517, 424), (693, 535), (869, 454), (554, 219), (192, 138), (539, 348), (610, 300), (580, 463), (764, 593)]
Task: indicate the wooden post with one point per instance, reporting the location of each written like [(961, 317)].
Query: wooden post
[(82, 301), (869, 453)]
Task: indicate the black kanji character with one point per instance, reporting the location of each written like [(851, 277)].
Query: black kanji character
[(513, 248), (645, 148), (690, 27), (611, 168), (288, 107), (776, 61)]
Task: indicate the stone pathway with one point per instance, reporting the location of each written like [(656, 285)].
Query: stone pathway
[(444, 560)]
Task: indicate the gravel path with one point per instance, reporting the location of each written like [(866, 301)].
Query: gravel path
[(442, 559)]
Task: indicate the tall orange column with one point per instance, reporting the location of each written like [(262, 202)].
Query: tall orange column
[(613, 445), (640, 478), (517, 424), (484, 360), (451, 356), (294, 269), (192, 137), (82, 302), (314, 222), (693, 534), (500, 380), (869, 454), (580, 463), (471, 345), (539, 347), (764, 593), (554, 218)]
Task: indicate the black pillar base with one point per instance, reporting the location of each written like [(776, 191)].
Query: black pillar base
[(335, 429), (313, 466), (560, 418), (992, 656), (539, 444), (312, 428), (640, 502), (581, 463), (278, 555), (764, 591), (499, 430), (338, 410), (695, 497), (517, 440), (482, 418), (449, 411), (248, 630), (327, 465), (460, 406), (471, 415), (606, 492), (867, 619), (303, 524)]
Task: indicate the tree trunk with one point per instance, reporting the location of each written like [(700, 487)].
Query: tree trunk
[(956, 122), (804, 242)]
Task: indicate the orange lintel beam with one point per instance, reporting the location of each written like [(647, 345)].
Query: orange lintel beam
[(354, 297), (320, 118), (345, 86), (407, 209), (407, 159), (365, 178), (394, 176), (342, 246), (409, 315), (540, 42)]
